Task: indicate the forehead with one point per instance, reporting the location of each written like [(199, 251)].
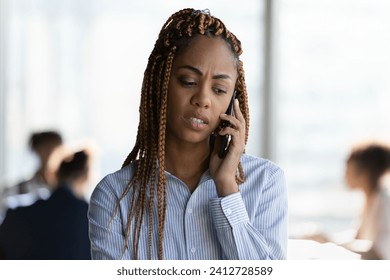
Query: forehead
[(207, 51)]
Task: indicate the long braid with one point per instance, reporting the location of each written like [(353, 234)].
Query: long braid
[(153, 174), (162, 190), (148, 153), (243, 101)]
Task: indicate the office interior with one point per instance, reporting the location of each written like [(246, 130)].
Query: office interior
[(317, 74)]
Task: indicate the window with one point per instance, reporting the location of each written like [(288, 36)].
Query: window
[(77, 66), (332, 89)]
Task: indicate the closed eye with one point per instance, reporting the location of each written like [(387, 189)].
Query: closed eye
[(187, 83), (219, 91)]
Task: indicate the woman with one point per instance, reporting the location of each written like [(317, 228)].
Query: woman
[(365, 168), (175, 196)]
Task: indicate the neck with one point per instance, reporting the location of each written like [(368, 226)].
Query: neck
[(77, 186), (187, 162), (41, 174), (370, 194)]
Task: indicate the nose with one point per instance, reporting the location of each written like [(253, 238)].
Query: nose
[(201, 98)]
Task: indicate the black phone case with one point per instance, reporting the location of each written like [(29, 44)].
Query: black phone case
[(226, 138)]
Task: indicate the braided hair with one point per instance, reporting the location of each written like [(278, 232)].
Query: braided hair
[(148, 153)]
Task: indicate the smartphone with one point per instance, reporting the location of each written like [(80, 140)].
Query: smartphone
[(226, 138)]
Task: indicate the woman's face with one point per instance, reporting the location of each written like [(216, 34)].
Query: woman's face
[(201, 85), (354, 178)]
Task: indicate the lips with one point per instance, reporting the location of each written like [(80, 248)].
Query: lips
[(198, 121), (198, 117)]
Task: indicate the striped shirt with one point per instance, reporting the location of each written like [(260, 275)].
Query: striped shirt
[(250, 224)]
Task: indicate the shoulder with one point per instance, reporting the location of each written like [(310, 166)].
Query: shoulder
[(383, 201), (64, 195), (23, 214), (260, 166), (262, 175), (114, 183)]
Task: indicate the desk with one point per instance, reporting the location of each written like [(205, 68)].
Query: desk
[(300, 249)]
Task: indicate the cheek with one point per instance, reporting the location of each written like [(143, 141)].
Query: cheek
[(175, 107), (352, 180), (220, 107), (349, 179), (171, 111), (216, 117)]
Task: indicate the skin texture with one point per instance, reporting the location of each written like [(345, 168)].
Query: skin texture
[(201, 85), (356, 178)]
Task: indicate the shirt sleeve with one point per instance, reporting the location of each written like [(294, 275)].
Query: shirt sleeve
[(264, 236), (105, 227)]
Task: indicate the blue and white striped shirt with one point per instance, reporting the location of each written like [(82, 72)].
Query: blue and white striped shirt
[(251, 224)]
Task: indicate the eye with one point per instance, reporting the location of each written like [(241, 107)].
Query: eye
[(187, 82), (219, 90)]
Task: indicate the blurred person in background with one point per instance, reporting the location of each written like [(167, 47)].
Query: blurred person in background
[(25, 193), (56, 228), (366, 168)]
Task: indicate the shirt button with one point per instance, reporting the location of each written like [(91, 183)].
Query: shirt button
[(193, 250), (189, 211), (228, 211)]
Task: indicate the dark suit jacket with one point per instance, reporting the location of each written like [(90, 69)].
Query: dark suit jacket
[(53, 229)]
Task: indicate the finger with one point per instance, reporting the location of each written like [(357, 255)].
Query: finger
[(237, 140), (233, 123), (237, 111), (230, 131)]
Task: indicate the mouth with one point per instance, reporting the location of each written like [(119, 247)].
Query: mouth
[(198, 122)]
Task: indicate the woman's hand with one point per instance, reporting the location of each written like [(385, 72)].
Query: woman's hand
[(223, 170)]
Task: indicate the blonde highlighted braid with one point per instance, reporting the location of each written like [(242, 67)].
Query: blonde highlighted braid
[(148, 154)]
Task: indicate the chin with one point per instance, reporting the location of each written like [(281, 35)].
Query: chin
[(196, 139)]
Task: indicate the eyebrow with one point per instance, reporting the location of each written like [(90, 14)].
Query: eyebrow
[(197, 71)]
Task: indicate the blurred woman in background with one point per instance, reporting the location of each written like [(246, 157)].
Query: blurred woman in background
[(366, 168)]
